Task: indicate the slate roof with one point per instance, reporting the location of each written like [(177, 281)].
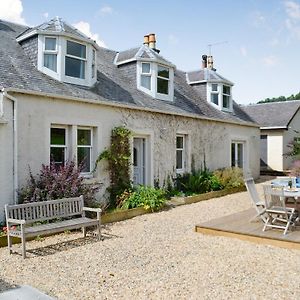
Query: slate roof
[(275, 114), (113, 85), (205, 75)]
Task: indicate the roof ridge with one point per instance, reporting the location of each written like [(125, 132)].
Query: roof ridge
[(274, 102)]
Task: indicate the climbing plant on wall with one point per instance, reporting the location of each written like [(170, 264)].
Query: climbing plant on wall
[(118, 157)]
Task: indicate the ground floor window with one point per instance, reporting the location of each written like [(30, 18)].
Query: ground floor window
[(84, 149), (237, 154), (58, 146), (180, 153)]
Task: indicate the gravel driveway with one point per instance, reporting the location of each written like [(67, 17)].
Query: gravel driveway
[(158, 256)]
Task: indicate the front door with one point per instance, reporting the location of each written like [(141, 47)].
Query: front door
[(139, 161)]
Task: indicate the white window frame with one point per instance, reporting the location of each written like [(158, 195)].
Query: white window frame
[(229, 98), (163, 78), (236, 158), (51, 52), (220, 96), (154, 71), (65, 146), (85, 146), (183, 150), (212, 92), (147, 75)]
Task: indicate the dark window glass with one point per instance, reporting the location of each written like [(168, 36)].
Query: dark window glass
[(233, 155), (179, 154), (162, 72), (226, 89), (76, 49), (84, 137), (225, 101), (179, 142), (58, 136), (57, 155), (215, 98), (214, 87), (162, 86), (75, 67), (84, 159)]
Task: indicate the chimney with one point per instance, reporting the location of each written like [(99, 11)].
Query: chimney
[(152, 41), (204, 61), (146, 39), (210, 62)]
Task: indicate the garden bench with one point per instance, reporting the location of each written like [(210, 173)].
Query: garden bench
[(66, 214)]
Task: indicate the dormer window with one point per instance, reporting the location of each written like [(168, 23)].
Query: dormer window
[(156, 80), (75, 60), (50, 53), (219, 95)]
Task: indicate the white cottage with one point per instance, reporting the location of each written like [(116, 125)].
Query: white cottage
[(61, 95)]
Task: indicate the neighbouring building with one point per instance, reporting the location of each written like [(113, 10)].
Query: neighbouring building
[(279, 126), (62, 94)]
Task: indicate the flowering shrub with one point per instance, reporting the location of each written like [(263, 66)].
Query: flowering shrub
[(230, 177), (56, 182)]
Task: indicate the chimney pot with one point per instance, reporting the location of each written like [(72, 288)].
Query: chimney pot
[(210, 62), (152, 40), (204, 61), (146, 39)]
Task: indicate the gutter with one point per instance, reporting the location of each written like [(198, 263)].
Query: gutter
[(15, 143), (274, 127), (126, 106)]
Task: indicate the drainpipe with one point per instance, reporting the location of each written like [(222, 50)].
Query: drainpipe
[(15, 143)]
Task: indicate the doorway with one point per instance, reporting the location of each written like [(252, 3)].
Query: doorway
[(139, 161)]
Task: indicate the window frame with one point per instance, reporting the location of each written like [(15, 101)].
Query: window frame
[(212, 92), (65, 146), (226, 95), (85, 146), (147, 75), (50, 52), (183, 151), (221, 94), (234, 163), (162, 78)]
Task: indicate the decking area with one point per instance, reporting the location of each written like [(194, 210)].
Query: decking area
[(238, 225)]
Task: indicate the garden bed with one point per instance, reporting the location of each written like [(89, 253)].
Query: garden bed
[(122, 215)]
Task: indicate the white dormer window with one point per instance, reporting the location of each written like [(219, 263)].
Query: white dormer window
[(156, 80), (50, 53), (67, 60), (219, 95), (75, 60)]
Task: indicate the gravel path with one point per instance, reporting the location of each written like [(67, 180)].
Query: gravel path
[(158, 256)]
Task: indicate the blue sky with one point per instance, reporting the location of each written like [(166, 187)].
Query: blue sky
[(261, 48)]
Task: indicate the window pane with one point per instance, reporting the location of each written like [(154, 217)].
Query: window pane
[(84, 137), (146, 82), (162, 86), (233, 154), (75, 67), (57, 155), (179, 155), (50, 43), (58, 136), (215, 98), (225, 101), (76, 49), (214, 87), (240, 155), (146, 68), (50, 61), (179, 142), (84, 159), (226, 89), (163, 72)]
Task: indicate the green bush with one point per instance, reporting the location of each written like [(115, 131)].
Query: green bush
[(230, 177), (143, 196)]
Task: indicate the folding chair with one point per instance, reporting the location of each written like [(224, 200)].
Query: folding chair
[(278, 215), (259, 204)]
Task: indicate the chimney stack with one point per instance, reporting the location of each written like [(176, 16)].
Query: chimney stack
[(204, 61), (152, 41), (210, 62)]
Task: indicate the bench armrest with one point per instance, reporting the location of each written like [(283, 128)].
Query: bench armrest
[(16, 221), (92, 209)]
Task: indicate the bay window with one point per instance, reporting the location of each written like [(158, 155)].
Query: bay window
[(162, 80), (75, 60)]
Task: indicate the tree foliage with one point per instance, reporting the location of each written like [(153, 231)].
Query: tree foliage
[(280, 99)]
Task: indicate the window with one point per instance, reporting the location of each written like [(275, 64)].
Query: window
[(237, 154), (214, 94), (58, 146), (162, 80), (94, 64), (146, 76), (75, 60), (226, 96), (180, 153), (84, 149), (50, 53)]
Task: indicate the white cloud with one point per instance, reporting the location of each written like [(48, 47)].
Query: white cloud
[(173, 39), (243, 51), (12, 11), (292, 9), (270, 60), (85, 28), (106, 10)]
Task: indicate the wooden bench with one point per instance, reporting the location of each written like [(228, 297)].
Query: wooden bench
[(70, 213)]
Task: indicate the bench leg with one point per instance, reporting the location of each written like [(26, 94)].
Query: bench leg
[(99, 231), (84, 231), (23, 246), (9, 243)]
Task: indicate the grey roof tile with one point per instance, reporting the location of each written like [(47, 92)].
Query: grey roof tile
[(113, 84), (275, 114), (205, 75)]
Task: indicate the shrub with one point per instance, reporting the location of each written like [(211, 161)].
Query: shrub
[(230, 177), (295, 170), (57, 182), (144, 196)]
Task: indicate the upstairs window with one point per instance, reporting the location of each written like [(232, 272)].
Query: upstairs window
[(146, 76), (75, 60), (226, 96), (162, 80), (214, 96), (50, 53), (94, 64)]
